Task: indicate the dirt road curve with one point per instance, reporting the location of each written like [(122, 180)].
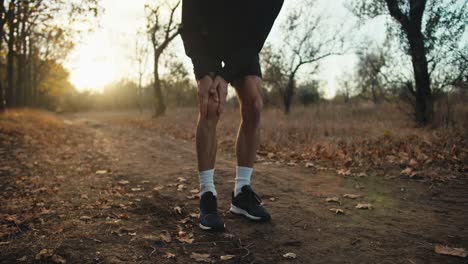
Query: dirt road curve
[(108, 211)]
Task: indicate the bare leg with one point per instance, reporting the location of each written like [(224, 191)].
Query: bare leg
[(206, 137), (250, 101)]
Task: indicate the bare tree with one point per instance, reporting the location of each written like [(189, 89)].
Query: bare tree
[(428, 30), (12, 24), (369, 77), (308, 41), (346, 86), (161, 34), (3, 18), (140, 58)]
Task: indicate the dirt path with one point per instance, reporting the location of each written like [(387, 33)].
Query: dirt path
[(114, 215)]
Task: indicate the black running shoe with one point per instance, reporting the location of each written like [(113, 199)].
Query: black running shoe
[(248, 204), (209, 218)]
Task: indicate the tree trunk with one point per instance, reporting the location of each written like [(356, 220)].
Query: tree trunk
[(28, 73), (2, 105), (10, 91), (20, 80), (2, 35), (34, 78), (288, 95), (159, 106), (139, 92), (424, 107)]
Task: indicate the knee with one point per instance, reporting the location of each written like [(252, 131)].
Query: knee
[(253, 107), (251, 110)]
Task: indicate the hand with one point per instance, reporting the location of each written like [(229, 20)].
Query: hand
[(220, 86), (204, 91)]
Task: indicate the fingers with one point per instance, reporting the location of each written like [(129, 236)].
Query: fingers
[(204, 85), (222, 93), (214, 90)]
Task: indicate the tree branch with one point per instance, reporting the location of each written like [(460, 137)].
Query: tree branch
[(396, 13)]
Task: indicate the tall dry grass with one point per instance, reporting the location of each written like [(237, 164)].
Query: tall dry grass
[(323, 122), (340, 135)]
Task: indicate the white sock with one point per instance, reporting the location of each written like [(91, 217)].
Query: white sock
[(206, 182), (242, 178)]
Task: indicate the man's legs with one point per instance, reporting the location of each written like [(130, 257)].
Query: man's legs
[(244, 201), (206, 144), (250, 102)]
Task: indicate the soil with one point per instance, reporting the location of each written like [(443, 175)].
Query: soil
[(105, 191)]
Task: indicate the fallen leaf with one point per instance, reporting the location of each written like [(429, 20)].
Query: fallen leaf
[(194, 215), (84, 196), (44, 253), (292, 163), (23, 259), (337, 210), (152, 237), (364, 206), (407, 171), (194, 191), (200, 257), (272, 199), (309, 165), (230, 236), (169, 255), (413, 163), (360, 175), (158, 188), (123, 182), (351, 196), (186, 240), (444, 250), (181, 179), (85, 218), (227, 257), (333, 200), (270, 155), (136, 189), (178, 210), (290, 255), (165, 237), (185, 220), (123, 216), (58, 259), (344, 172), (101, 172), (193, 196), (181, 187)]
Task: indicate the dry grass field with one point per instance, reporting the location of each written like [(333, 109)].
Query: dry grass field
[(355, 137)]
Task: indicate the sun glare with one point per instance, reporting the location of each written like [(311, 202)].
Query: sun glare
[(92, 75)]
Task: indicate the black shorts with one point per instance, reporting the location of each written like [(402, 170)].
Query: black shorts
[(225, 37), (234, 70)]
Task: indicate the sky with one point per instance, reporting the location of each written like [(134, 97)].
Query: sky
[(104, 55)]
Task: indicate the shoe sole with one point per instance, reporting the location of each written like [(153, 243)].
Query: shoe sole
[(207, 228), (239, 211)]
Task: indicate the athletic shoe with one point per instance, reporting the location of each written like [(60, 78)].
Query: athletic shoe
[(248, 204), (209, 218)]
